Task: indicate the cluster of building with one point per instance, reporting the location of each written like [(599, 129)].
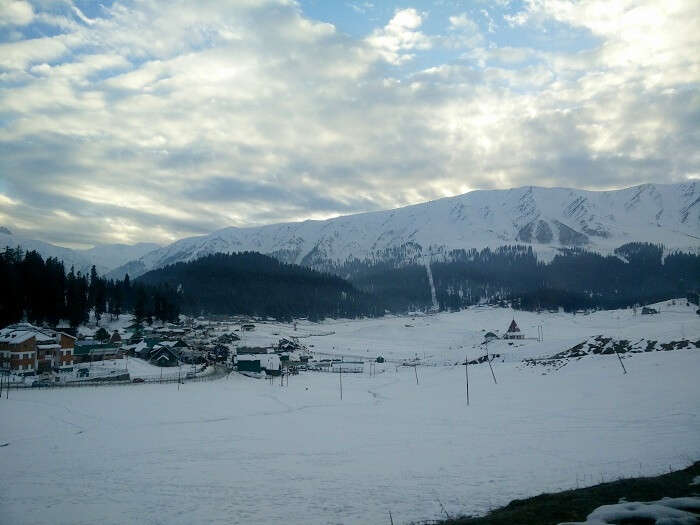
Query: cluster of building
[(287, 355)]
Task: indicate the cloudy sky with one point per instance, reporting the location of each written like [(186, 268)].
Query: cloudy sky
[(142, 120)]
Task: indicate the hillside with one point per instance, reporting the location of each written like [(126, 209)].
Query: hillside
[(548, 219), (254, 284)]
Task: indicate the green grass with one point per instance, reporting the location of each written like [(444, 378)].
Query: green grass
[(575, 505)]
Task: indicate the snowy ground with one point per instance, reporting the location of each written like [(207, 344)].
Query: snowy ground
[(446, 338), (241, 450)]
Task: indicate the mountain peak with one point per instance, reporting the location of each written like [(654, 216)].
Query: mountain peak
[(548, 219)]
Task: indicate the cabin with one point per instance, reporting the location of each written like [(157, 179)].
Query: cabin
[(87, 351), (115, 338), (649, 311), (258, 363), (162, 355), (513, 331)]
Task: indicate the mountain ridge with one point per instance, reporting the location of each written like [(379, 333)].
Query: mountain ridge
[(548, 219)]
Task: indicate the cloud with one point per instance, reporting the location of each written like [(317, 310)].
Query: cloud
[(15, 12), (399, 36), (148, 121)]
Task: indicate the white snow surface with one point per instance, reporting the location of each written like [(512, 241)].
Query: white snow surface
[(241, 450), (602, 220), (667, 511)]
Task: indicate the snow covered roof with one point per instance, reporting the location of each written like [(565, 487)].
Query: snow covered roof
[(16, 336), (513, 327), (21, 332), (250, 357)]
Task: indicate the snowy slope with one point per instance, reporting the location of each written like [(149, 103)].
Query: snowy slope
[(240, 450), (104, 256), (546, 218)]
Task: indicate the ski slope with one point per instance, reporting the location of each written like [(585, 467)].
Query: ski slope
[(241, 450)]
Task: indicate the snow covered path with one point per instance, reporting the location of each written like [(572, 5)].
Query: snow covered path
[(240, 450)]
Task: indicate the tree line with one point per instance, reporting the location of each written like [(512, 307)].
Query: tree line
[(636, 273), (42, 292), (254, 284), (249, 283)]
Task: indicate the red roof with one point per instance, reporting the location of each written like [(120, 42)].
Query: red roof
[(513, 327)]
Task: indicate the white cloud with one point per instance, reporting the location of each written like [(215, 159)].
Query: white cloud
[(400, 35), (157, 120), (15, 12)]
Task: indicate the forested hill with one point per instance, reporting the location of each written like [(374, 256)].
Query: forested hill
[(637, 273), (254, 284)]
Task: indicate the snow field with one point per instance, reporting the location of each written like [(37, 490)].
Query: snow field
[(241, 450)]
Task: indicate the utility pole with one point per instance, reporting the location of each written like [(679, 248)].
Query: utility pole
[(488, 358), (624, 370), (415, 369), (341, 380), (466, 375)]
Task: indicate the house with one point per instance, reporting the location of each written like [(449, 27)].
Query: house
[(27, 350), (143, 348), (248, 327), (258, 363), (162, 355), (513, 331), (88, 351), (649, 311), (191, 356)]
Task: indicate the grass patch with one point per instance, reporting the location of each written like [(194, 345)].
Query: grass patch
[(575, 505)]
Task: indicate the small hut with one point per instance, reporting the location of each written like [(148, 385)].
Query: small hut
[(513, 331), (490, 336)]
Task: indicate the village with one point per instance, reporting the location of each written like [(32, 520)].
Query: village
[(36, 356), (197, 348)]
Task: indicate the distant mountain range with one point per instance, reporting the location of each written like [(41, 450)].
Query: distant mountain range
[(548, 219), (105, 257)]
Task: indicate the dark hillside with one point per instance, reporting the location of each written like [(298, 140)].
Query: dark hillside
[(254, 284)]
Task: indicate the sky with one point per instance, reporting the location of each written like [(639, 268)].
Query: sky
[(145, 120)]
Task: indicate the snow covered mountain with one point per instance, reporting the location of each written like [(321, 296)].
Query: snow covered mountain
[(105, 257), (548, 219)]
